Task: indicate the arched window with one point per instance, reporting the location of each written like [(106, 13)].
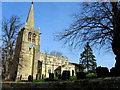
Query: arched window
[(72, 72), (29, 36), (33, 37)]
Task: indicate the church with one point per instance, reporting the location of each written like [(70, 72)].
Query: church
[(28, 60)]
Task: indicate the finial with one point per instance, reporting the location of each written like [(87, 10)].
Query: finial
[(38, 28), (30, 19)]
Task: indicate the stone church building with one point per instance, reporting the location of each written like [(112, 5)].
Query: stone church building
[(29, 61)]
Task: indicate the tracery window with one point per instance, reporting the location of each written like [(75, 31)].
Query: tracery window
[(49, 71), (39, 66), (29, 36), (33, 37)]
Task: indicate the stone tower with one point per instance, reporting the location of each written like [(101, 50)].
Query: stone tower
[(27, 50)]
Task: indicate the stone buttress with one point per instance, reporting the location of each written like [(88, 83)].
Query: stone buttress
[(27, 50)]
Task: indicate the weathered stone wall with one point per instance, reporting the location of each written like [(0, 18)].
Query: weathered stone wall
[(52, 62), (27, 54), (69, 67), (110, 83)]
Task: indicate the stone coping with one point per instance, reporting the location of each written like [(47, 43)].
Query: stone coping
[(108, 83)]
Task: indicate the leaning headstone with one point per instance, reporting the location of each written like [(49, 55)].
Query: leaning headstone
[(102, 72), (81, 75), (38, 76), (51, 76), (68, 74), (65, 75), (59, 76), (30, 78)]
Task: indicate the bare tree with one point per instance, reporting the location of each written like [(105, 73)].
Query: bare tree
[(10, 29), (92, 24), (56, 53), (97, 23)]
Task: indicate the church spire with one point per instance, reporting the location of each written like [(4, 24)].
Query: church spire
[(30, 19)]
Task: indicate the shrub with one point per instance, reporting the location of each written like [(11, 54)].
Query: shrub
[(114, 72), (102, 72), (91, 75)]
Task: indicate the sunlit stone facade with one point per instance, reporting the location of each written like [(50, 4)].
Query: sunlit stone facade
[(29, 61)]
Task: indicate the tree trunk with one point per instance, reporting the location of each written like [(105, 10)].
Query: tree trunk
[(116, 36), (116, 47), (116, 50)]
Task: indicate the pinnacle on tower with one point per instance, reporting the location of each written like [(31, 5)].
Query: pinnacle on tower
[(30, 19)]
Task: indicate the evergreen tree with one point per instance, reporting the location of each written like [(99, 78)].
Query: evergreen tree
[(97, 23), (87, 59)]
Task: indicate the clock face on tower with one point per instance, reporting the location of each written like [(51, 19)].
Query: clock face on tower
[(31, 46)]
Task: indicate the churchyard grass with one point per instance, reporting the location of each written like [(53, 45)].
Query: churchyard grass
[(40, 80), (89, 75)]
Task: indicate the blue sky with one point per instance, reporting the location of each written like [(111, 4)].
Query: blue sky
[(53, 17)]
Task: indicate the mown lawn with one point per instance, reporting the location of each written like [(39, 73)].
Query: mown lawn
[(91, 75)]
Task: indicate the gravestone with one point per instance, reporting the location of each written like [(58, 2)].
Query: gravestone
[(59, 76), (81, 75), (65, 75), (51, 76), (36, 76), (68, 74), (30, 78)]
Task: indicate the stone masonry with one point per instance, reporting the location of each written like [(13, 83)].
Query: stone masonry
[(29, 61)]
